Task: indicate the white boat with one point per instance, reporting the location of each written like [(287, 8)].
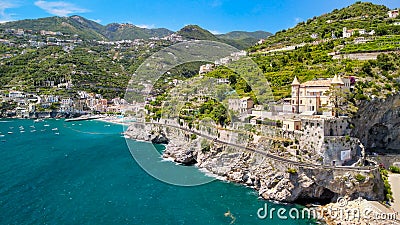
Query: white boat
[(38, 120), (55, 128), (2, 135), (10, 132), (57, 133), (33, 131), (22, 131), (32, 126), (47, 125)]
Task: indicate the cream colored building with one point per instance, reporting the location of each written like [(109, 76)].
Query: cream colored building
[(291, 124), (243, 105), (311, 96)]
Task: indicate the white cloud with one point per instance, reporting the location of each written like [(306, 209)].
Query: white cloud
[(97, 21), (298, 20), (6, 17), (147, 26), (215, 32), (59, 8)]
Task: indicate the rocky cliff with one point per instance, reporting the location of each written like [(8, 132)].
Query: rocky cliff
[(377, 124), (273, 180)]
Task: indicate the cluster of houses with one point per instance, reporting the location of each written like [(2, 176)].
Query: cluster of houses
[(348, 33), (307, 99), (235, 56), (41, 39), (324, 135), (27, 104)]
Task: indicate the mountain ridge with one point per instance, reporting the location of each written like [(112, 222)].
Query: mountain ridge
[(89, 29), (360, 15), (238, 39)]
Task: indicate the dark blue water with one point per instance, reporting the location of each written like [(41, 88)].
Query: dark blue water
[(83, 173)]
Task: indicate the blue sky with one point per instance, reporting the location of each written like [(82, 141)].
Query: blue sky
[(218, 16)]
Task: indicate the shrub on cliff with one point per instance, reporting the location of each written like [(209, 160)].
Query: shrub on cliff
[(291, 171), (394, 169), (360, 177)]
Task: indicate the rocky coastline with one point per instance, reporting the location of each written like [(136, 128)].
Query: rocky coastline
[(273, 180)]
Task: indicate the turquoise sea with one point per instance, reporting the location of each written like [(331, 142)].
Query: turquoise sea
[(53, 172)]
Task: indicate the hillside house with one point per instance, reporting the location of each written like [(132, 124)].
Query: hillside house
[(393, 13), (311, 96), (291, 124), (348, 33), (206, 68), (243, 105)]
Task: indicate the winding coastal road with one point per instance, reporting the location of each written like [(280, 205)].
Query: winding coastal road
[(267, 155)]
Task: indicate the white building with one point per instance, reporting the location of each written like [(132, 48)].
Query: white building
[(393, 13), (16, 94), (242, 105), (348, 33), (222, 81), (291, 124), (66, 101), (206, 68)]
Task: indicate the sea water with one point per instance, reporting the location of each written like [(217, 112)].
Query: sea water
[(57, 172)]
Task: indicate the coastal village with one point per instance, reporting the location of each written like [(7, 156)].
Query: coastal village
[(307, 116), (299, 147)]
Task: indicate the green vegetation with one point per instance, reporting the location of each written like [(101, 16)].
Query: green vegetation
[(394, 169), (209, 109), (340, 104), (194, 32), (86, 29), (240, 35), (384, 43), (243, 40), (360, 177), (238, 39), (101, 69), (291, 170), (205, 146), (357, 16), (117, 31), (193, 137), (377, 77), (388, 190)]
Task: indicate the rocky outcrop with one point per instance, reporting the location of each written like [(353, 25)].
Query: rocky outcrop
[(377, 123), (273, 180), (144, 132)]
